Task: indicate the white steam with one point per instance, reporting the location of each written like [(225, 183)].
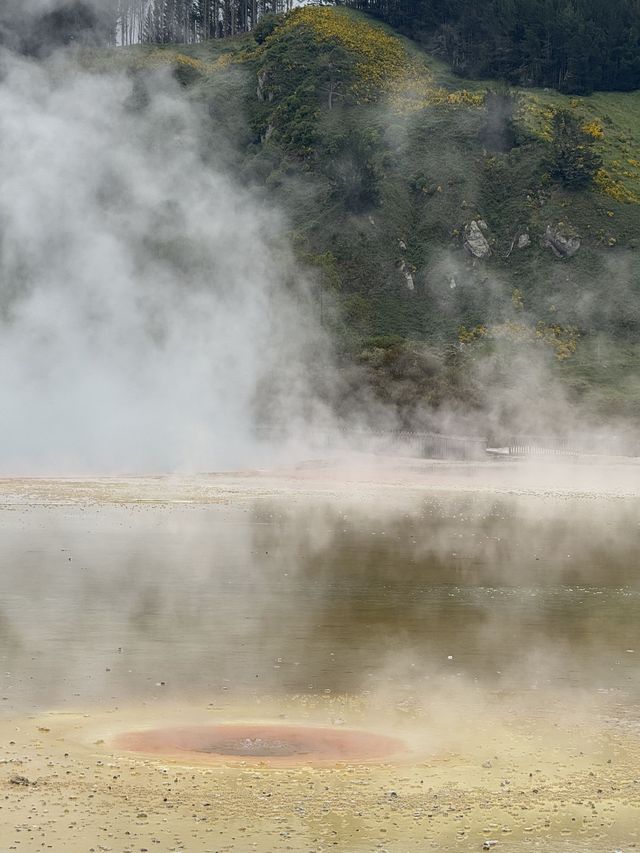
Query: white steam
[(143, 294)]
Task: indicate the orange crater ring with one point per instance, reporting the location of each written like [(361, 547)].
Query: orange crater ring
[(274, 744)]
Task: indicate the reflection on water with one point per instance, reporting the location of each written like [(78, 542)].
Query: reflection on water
[(110, 603)]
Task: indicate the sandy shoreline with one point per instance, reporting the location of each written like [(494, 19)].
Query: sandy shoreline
[(359, 475), (516, 779)]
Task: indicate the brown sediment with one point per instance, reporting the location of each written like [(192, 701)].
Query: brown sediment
[(275, 744)]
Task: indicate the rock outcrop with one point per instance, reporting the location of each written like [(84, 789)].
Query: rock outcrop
[(261, 91), (405, 269), (475, 242), (562, 242)]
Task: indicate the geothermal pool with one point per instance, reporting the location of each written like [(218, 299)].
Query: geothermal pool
[(244, 664)]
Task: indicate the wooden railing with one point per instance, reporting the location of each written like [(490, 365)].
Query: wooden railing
[(426, 445), (431, 445), (531, 445), (577, 445)]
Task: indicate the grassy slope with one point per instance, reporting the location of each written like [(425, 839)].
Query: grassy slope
[(436, 158)]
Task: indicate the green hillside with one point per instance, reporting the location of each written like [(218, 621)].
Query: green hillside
[(437, 216)]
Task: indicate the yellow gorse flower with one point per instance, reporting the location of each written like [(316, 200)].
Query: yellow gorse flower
[(380, 58), (173, 59), (594, 129), (563, 340), (613, 180), (615, 189), (382, 65)]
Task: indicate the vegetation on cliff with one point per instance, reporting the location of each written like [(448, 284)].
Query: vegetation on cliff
[(426, 207)]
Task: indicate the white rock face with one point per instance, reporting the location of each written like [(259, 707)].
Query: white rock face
[(523, 241), (408, 277), (475, 242), (262, 77)]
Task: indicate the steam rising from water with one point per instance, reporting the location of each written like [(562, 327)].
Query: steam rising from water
[(143, 293), (399, 596)]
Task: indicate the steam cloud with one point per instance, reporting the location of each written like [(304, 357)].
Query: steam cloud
[(39, 26), (144, 295), (147, 305)]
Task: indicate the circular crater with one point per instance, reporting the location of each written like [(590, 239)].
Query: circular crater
[(277, 744)]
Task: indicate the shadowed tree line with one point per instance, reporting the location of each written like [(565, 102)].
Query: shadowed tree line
[(166, 21), (127, 22), (575, 46)]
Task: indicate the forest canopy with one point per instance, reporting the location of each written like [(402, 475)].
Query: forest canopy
[(576, 46), (36, 30)]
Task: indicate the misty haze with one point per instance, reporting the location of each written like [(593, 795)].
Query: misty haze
[(319, 426)]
